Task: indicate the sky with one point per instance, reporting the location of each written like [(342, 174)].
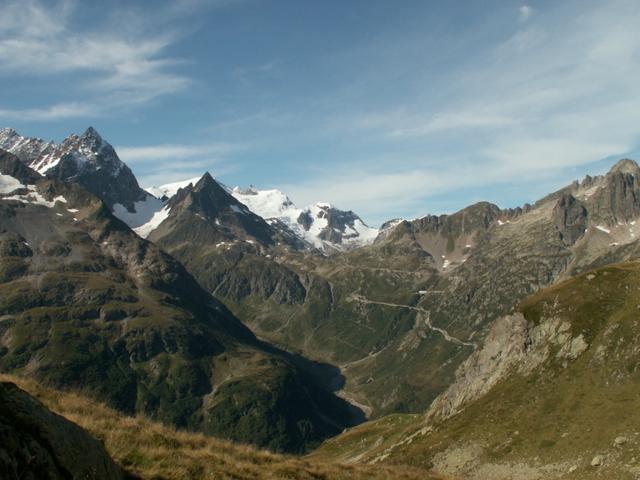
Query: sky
[(388, 108)]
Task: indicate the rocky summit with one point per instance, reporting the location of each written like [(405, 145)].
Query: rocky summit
[(89, 161)]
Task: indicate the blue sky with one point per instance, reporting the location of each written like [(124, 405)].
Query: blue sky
[(390, 108)]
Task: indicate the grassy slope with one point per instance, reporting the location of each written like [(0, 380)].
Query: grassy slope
[(152, 450), (561, 415)]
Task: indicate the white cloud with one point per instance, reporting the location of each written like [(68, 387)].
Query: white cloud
[(41, 40), (525, 12)]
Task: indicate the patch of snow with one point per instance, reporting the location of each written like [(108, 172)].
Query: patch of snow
[(170, 189), (144, 212), (237, 209), (9, 184), (153, 223), (446, 264), (392, 224), (366, 234), (35, 198), (72, 210), (603, 229), (265, 203)]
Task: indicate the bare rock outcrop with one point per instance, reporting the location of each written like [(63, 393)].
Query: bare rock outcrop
[(37, 444), (513, 345)]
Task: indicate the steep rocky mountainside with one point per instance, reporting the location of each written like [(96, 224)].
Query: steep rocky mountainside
[(206, 203), (37, 444), (226, 246), (551, 393), (87, 304), (92, 163)]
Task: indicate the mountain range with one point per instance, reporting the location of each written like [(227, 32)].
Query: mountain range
[(232, 312), (88, 304)]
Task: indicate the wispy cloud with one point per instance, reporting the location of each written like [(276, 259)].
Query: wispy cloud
[(249, 75), (122, 67), (54, 112), (166, 163), (455, 121), (173, 172), (175, 152), (557, 93)]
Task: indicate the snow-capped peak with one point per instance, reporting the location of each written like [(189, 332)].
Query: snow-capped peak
[(320, 224), (43, 156), (27, 149), (265, 203), (170, 189)]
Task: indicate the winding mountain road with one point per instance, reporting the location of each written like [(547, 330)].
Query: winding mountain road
[(359, 298)]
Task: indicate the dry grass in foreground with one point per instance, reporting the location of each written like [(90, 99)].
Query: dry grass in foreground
[(154, 451)]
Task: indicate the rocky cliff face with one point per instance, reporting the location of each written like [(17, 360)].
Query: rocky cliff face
[(513, 346), (37, 444), (618, 198), (570, 218)]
